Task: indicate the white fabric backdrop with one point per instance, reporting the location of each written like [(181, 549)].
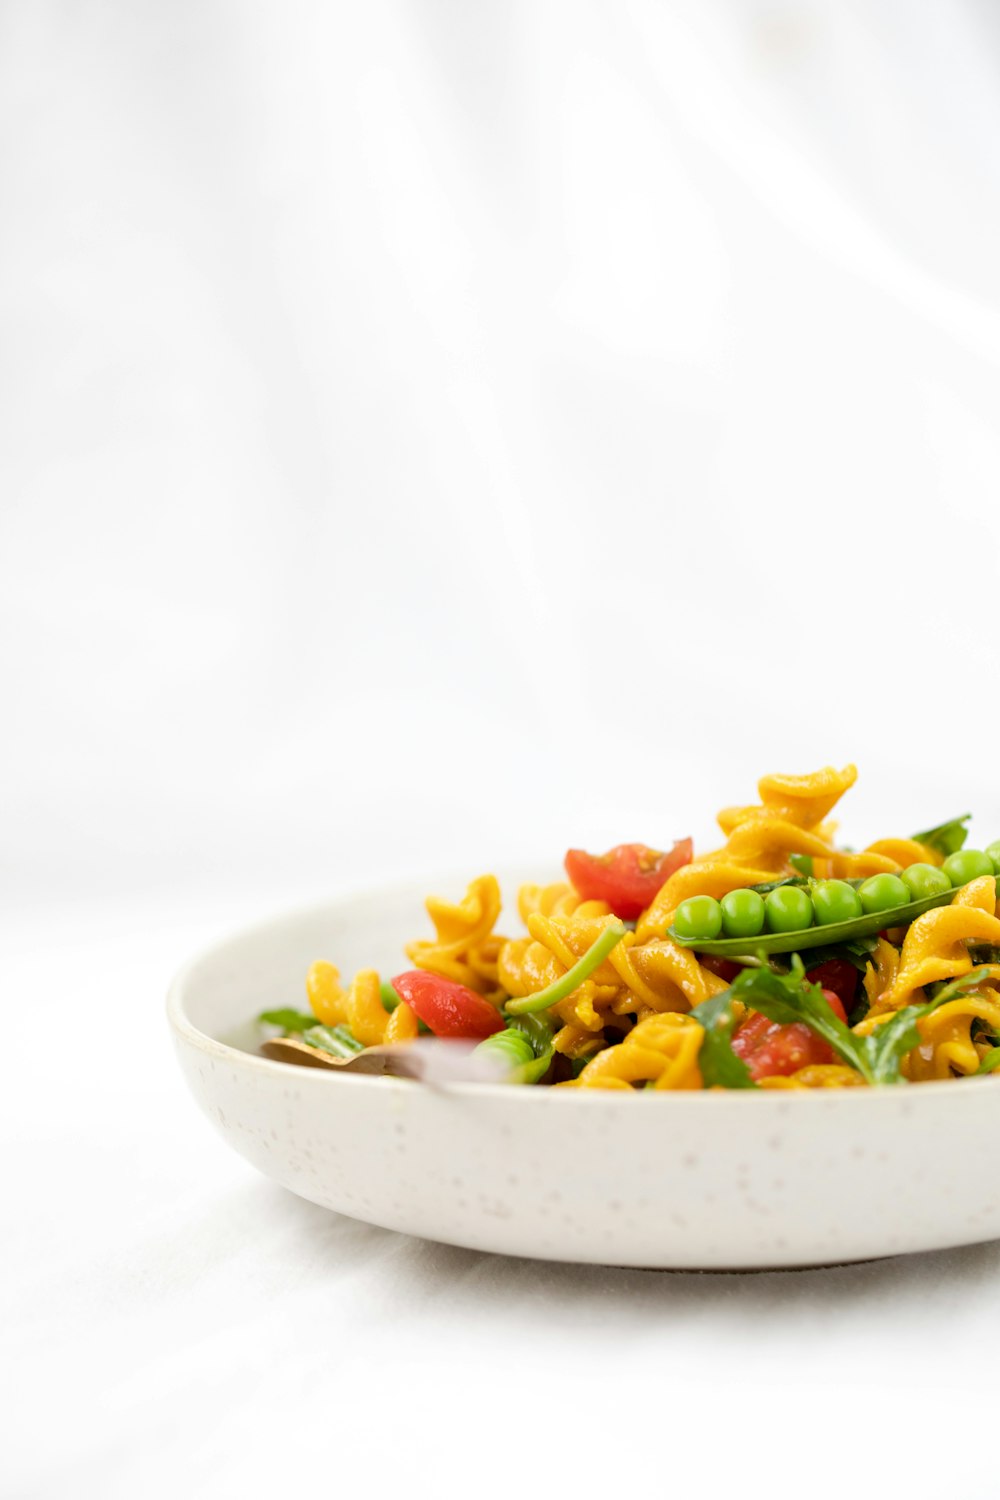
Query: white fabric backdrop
[(432, 435)]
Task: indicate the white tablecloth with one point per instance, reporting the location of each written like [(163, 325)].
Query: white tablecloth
[(176, 1325), (435, 434)]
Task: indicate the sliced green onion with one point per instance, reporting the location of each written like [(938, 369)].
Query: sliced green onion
[(514, 1048), (573, 978), (538, 1029), (534, 1071), (340, 1041)]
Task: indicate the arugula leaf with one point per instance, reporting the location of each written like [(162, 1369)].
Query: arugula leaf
[(787, 998), (946, 837), (889, 1043), (719, 1065), (950, 989), (289, 1020)]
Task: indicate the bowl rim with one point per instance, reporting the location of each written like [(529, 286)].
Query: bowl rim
[(185, 1030)]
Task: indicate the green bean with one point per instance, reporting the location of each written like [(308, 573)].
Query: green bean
[(561, 988)]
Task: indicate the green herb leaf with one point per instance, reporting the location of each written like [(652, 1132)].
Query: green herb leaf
[(989, 1062), (786, 998), (801, 862), (946, 837), (719, 1065), (290, 1021)]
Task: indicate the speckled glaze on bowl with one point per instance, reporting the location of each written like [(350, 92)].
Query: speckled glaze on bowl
[(695, 1181)]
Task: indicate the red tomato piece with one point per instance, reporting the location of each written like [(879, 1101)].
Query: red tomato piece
[(840, 978), (627, 877), (723, 967), (446, 1008), (751, 1033), (771, 1050), (786, 1050)]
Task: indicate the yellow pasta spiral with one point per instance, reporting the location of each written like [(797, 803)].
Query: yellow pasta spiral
[(946, 1036), (936, 944), (635, 978), (327, 996), (816, 1076), (557, 900), (662, 1049), (366, 1015), (803, 800), (880, 976), (465, 947), (789, 819), (525, 966), (359, 1006)]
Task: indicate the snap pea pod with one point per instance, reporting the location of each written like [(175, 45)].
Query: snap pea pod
[(561, 988), (815, 937)]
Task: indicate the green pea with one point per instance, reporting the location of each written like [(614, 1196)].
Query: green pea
[(925, 880), (967, 864), (882, 893), (834, 901), (742, 914), (698, 919), (993, 850), (788, 909)]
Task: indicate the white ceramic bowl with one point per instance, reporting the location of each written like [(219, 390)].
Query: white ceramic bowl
[(707, 1180)]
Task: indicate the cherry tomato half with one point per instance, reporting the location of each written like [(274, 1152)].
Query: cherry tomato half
[(771, 1050), (627, 877), (723, 967), (787, 1049), (841, 978), (446, 1008)]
